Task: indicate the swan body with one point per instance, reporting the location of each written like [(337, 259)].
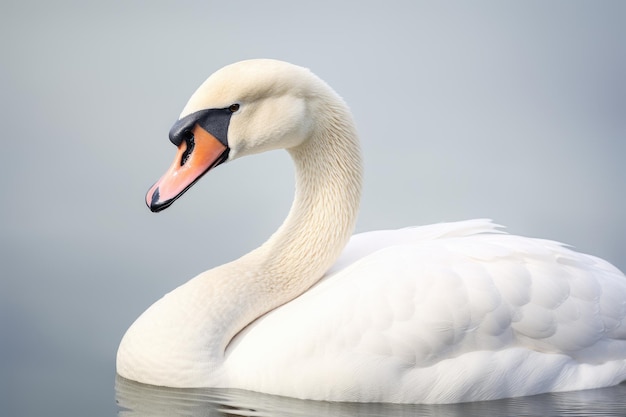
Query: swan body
[(443, 313)]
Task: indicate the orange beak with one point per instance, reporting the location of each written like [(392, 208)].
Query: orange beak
[(195, 157)]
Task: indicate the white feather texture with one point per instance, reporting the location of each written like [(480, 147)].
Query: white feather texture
[(436, 314)]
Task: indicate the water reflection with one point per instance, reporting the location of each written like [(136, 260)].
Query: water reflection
[(137, 400)]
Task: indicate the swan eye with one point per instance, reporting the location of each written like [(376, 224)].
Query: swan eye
[(233, 107)]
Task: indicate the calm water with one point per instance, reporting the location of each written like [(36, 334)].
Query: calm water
[(137, 400)]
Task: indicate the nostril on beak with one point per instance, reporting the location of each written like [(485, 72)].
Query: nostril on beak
[(189, 144)]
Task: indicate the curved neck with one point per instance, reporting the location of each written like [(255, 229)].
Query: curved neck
[(201, 318), (319, 224), (324, 211)]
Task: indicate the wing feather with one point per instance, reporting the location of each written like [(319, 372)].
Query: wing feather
[(390, 310)]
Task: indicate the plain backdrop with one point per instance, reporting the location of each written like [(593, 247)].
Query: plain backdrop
[(514, 111)]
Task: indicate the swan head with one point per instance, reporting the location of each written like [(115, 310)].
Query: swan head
[(244, 108)]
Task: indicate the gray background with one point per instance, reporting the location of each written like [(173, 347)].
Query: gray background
[(514, 111)]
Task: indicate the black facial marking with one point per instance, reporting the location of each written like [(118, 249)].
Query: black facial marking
[(214, 121)]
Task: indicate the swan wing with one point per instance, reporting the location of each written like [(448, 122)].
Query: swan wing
[(444, 313)]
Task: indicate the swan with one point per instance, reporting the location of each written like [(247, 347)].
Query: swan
[(443, 313)]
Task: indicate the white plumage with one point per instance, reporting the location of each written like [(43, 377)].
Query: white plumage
[(451, 313), (442, 313)]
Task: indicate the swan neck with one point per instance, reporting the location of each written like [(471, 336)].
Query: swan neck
[(325, 207), (201, 319), (318, 226)]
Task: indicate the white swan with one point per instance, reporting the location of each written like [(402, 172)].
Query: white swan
[(443, 313)]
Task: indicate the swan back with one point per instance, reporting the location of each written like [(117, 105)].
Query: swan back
[(445, 313)]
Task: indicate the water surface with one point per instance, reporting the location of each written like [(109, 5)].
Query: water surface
[(137, 400)]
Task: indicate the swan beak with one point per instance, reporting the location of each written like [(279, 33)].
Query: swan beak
[(196, 155)]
